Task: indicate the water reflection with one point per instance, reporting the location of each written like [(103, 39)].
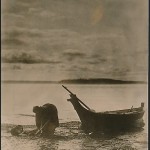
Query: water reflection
[(111, 141), (114, 134)]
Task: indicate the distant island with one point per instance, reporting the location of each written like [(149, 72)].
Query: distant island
[(81, 81), (99, 81)]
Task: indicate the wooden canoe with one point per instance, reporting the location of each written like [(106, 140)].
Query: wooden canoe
[(119, 120)]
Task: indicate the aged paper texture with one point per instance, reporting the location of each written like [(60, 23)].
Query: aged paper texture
[(98, 51)]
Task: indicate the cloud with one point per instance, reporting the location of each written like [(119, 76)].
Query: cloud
[(19, 38), (72, 55), (20, 58), (13, 42), (15, 32), (26, 58)]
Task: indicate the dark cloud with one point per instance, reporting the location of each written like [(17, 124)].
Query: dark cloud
[(13, 42), (26, 58), (97, 59), (21, 33), (73, 56)]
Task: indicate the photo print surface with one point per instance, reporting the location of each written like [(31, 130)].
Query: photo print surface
[(98, 51)]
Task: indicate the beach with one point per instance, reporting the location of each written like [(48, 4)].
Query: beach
[(19, 99)]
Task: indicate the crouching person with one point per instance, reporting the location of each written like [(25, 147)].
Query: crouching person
[(46, 118)]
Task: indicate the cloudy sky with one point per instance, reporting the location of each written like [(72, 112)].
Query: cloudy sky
[(61, 39)]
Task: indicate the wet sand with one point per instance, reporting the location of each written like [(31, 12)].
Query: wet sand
[(69, 136)]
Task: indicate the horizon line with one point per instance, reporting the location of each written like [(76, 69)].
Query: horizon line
[(78, 81)]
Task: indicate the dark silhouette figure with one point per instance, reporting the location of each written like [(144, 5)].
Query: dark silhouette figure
[(46, 119)]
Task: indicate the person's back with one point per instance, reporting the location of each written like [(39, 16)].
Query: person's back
[(50, 113), (46, 118)]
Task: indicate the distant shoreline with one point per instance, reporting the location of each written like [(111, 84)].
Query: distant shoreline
[(80, 81)]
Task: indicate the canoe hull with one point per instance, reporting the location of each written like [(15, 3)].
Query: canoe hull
[(119, 120), (109, 122)]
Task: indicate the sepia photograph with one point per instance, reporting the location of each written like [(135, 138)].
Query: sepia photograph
[(74, 74)]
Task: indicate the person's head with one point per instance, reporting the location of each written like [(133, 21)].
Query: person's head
[(17, 130), (36, 109)]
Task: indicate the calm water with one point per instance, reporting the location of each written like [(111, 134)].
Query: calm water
[(20, 98)]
